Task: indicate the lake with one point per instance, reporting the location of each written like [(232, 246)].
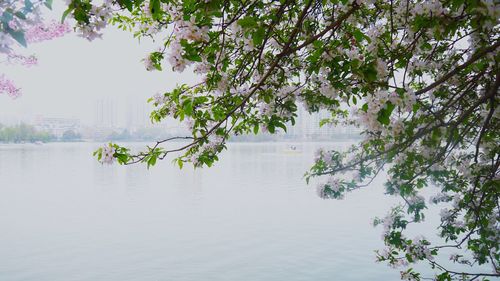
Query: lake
[(63, 216)]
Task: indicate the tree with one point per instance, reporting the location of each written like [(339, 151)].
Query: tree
[(21, 23), (70, 135), (421, 78), (23, 133)]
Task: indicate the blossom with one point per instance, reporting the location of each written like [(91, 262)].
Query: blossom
[(318, 154), (148, 63), (407, 275), (265, 109), (353, 54), (202, 67), (23, 60), (8, 87), (334, 184), (445, 214), (160, 99), (214, 142), (175, 58), (381, 69), (388, 223), (415, 200), (328, 91), (98, 19), (190, 31), (440, 197), (419, 249), (320, 191), (248, 44), (385, 254), (108, 152), (43, 32)]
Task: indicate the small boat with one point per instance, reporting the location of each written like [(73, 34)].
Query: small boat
[(292, 149), (38, 143)]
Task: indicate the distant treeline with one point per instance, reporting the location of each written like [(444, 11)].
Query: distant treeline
[(143, 134), (23, 133), (28, 133)]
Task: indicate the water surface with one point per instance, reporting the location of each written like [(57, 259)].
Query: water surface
[(63, 216)]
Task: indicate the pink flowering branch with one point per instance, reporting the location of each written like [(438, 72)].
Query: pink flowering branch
[(8, 87), (46, 31)]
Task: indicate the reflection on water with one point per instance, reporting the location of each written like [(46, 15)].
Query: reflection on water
[(251, 217)]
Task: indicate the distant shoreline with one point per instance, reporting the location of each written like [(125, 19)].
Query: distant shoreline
[(180, 141)]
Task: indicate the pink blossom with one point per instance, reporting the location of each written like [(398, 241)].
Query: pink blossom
[(8, 87), (42, 32), (23, 60), (13, 24)]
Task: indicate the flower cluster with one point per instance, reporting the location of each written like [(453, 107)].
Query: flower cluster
[(108, 154), (8, 87), (97, 19), (23, 60), (46, 31)]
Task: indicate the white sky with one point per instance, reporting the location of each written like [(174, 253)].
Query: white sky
[(73, 74)]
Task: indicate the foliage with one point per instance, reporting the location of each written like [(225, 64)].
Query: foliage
[(420, 77), (23, 133), (70, 135)]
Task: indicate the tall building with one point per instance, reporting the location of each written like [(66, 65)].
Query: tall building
[(105, 114), (137, 115)]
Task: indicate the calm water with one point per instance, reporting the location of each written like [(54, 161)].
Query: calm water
[(251, 217)]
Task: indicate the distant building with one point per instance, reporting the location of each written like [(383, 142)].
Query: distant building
[(105, 115), (307, 127), (137, 115), (57, 126)]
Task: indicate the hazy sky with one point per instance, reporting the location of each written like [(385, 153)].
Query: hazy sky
[(73, 74)]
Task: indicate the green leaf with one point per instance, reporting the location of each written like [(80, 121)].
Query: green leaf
[(358, 35), (20, 15), (189, 6), (281, 125), (6, 18), (152, 160), (66, 13), (127, 4), (384, 114), (323, 122), (192, 57), (370, 74), (122, 158), (155, 8), (48, 4), (258, 36), (247, 22), (18, 36), (271, 128), (188, 107)]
